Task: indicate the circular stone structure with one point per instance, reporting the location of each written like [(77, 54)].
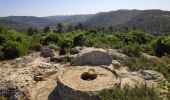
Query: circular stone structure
[(85, 83)]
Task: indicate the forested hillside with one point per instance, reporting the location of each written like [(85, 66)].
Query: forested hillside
[(154, 21)]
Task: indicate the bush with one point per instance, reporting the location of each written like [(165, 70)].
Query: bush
[(35, 46), (78, 40), (127, 93), (32, 31), (2, 39), (12, 49), (162, 46), (50, 38), (137, 37), (131, 50), (65, 43)]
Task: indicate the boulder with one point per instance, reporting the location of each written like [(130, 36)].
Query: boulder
[(47, 52), (92, 57), (117, 56), (151, 76), (75, 50)]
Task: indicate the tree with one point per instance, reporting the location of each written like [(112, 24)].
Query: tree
[(60, 28), (46, 29), (32, 31), (80, 26), (3, 29), (78, 40), (2, 39), (70, 28)]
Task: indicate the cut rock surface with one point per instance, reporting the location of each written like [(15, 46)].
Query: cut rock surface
[(92, 57), (85, 83)]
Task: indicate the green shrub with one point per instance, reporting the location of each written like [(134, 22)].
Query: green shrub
[(78, 40), (32, 31), (35, 46), (162, 46), (2, 39), (136, 36), (127, 93), (12, 49), (65, 43), (50, 38), (131, 50)]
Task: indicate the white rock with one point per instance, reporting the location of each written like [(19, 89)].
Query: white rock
[(92, 57)]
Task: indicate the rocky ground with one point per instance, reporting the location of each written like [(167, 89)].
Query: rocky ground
[(34, 77)]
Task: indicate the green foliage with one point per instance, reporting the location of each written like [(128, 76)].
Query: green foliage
[(132, 50), (79, 40), (162, 46), (60, 28), (127, 93), (32, 31), (35, 46), (65, 43), (13, 44), (50, 38), (2, 39), (13, 49), (3, 29), (137, 37), (47, 29)]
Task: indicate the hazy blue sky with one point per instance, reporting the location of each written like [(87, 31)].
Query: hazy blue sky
[(71, 7)]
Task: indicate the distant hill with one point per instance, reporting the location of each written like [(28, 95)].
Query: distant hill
[(24, 22), (112, 18), (155, 21)]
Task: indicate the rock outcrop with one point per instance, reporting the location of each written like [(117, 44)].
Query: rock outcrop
[(151, 76), (92, 57), (75, 50), (132, 81), (10, 91), (47, 52), (117, 56)]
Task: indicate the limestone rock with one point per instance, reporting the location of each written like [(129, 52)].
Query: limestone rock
[(75, 50), (10, 91), (85, 83), (47, 52), (62, 58), (44, 65), (116, 64), (152, 59), (92, 57), (116, 55), (151, 76), (132, 81)]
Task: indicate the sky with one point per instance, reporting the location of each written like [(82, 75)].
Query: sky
[(72, 7)]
